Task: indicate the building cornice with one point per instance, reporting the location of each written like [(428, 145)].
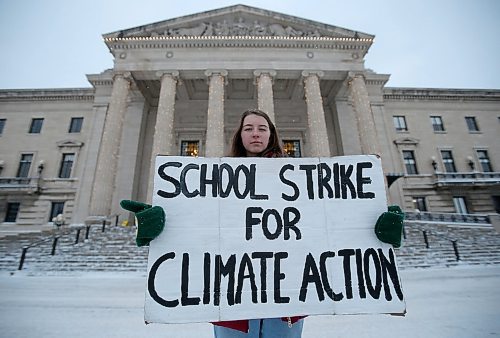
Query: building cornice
[(159, 42), (437, 94), (64, 94)]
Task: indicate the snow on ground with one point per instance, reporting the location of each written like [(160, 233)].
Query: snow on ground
[(441, 302)]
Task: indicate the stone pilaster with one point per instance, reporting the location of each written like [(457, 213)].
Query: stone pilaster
[(364, 115), (214, 145), (104, 179), (265, 98), (318, 136), (163, 140)]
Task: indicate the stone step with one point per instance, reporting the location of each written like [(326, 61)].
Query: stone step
[(115, 250)]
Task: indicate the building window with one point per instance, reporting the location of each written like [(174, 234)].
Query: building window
[(66, 165), (56, 209), (448, 162), (420, 204), (2, 125), (36, 126), (75, 125), (484, 160), (410, 163), (292, 148), (437, 123), (496, 203), (460, 205), (190, 148), (12, 211), (400, 123), (24, 165), (471, 123)]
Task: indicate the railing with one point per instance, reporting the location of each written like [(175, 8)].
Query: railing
[(420, 219), (59, 233), (464, 178), (432, 217), (19, 183)]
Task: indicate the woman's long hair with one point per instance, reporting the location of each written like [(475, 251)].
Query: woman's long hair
[(274, 148)]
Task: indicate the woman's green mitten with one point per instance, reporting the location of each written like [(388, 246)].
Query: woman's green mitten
[(389, 226), (150, 220)]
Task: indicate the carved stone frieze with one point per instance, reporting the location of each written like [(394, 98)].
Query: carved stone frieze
[(239, 27)]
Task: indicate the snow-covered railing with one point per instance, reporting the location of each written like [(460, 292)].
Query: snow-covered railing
[(59, 233), (433, 217), (474, 177), (422, 218)]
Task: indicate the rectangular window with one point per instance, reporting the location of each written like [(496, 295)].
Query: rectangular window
[(400, 123), (292, 148), (460, 205), (75, 125), (24, 165), (448, 162), (471, 123), (190, 148), (484, 160), (66, 165), (2, 125), (420, 203), (410, 163), (56, 209), (36, 126), (437, 123), (12, 211)]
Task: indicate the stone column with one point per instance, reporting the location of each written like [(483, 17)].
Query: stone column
[(364, 115), (318, 136), (104, 179), (163, 139), (214, 145), (264, 82)]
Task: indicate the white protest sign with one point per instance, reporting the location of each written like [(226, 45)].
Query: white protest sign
[(264, 238)]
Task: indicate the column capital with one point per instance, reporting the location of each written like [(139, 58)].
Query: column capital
[(353, 75), (173, 73), (307, 73), (210, 72), (259, 72), (125, 75)]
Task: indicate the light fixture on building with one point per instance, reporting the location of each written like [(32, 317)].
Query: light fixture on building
[(2, 164), (41, 165), (470, 162), (434, 163)]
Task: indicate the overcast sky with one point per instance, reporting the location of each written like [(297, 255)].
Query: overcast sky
[(424, 43)]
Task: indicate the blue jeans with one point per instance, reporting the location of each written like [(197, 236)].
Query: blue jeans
[(263, 328)]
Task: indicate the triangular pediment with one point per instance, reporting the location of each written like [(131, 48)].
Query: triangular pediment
[(70, 144), (406, 141), (238, 20)]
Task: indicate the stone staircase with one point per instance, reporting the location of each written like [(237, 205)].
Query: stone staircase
[(115, 249), (473, 244), (111, 250)]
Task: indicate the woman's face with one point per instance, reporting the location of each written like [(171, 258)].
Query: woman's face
[(255, 134)]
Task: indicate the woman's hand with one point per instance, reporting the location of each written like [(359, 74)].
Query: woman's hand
[(150, 220), (389, 226)]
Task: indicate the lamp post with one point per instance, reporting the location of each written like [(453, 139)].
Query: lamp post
[(58, 220)]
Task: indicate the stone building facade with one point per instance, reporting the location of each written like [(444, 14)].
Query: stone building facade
[(179, 86)]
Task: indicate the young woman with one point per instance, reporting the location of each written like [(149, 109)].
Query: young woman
[(256, 136)]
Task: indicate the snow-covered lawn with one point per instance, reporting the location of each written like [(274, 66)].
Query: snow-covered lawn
[(448, 302)]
